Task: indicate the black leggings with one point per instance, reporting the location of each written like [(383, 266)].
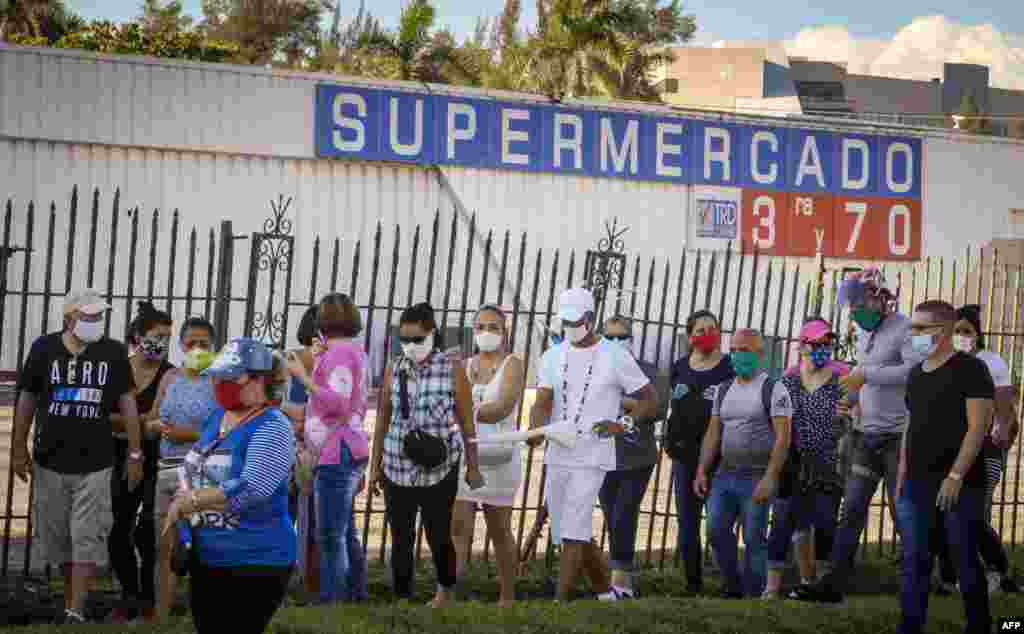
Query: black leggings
[(435, 504), (133, 531), (262, 588)]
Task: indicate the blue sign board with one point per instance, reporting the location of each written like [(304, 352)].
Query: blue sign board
[(374, 124)]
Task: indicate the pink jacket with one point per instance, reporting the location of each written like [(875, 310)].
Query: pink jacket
[(335, 412)]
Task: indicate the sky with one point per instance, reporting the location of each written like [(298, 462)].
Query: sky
[(911, 38)]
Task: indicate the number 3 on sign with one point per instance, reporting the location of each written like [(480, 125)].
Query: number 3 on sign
[(764, 211)]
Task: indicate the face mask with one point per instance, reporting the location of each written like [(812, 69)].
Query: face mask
[(867, 318), (577, 334), (924, 345), (488, 341), (419, 352), (228, 395), (744, 363), (154, 348), (708, 342), (198, 359), (820, 357), (88, 331), (963, 343)]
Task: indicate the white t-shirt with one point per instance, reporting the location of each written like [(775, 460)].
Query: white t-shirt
[(615, 375), (1000, 372)]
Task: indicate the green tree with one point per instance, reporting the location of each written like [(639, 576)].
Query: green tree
[(133, 39), (416, 51), (160, 15), (266, 31), (36, 22), (971, 118)]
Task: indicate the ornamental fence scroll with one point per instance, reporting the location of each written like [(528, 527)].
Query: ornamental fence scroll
[(193, 270)]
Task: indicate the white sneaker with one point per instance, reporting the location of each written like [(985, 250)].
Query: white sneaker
[(615, 594)]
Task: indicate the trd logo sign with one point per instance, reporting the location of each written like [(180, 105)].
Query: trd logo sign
[(1011, 625)]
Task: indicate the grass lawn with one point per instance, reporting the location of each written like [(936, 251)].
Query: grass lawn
[(872, 609)]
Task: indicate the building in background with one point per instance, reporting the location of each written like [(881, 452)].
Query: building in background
[(764, 80)]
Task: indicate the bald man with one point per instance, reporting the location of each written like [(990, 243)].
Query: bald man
[(748, 436)]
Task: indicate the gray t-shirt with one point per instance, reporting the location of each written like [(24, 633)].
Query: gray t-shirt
[(747, 432), (886, 358)]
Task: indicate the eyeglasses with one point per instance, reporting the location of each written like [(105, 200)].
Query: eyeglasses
[(413, 340)]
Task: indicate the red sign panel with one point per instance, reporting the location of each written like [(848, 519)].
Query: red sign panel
[(811, 224), (764, 222)]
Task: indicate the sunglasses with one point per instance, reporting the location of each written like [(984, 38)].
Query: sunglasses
[(413, 340), (618, 337)]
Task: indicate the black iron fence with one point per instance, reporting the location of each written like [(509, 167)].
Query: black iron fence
[(456, 265)]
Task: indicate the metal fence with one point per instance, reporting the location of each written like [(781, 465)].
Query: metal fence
[(457, 266)]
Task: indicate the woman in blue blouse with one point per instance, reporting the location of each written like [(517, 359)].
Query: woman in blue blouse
[(237, 494)]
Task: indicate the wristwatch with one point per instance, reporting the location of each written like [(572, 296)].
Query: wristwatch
[(135, 456)]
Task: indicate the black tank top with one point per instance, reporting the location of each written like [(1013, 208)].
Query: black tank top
[(144, 400)]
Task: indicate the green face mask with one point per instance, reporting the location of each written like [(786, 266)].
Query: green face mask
[(745, 364), (866, 318)]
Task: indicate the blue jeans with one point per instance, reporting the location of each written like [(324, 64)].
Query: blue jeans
[(800, 512), (342, 561), (620, 497), (873, 456), (732, 499), (964, 524), (688, 507)]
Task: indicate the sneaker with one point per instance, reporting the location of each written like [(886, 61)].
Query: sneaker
[(69, 617), (611, 596), (819, 593), (121, 615), (1008, 585)]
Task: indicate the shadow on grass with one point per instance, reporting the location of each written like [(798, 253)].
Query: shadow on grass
[(873, 608)]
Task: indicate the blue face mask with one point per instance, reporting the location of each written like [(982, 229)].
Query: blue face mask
[(820, 356)]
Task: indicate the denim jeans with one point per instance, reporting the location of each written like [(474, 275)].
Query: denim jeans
[(689, 505), (732, 499), (620, 497), (342, 561), (800, 512), (964, 524), (873, 456)]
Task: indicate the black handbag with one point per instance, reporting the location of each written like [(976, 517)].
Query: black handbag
[(424, 450)]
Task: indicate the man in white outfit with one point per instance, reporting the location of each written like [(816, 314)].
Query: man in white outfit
[(582, 384)]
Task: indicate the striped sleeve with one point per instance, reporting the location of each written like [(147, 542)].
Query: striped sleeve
[(268, 463)]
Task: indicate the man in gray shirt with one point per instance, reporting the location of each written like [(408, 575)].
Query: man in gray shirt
[(878, 387)]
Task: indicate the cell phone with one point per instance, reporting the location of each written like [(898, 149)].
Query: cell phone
[(479, 485)]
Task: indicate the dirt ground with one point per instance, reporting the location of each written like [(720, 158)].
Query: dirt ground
[(657, 529)]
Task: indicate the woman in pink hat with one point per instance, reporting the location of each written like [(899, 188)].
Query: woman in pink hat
[(815, 392)]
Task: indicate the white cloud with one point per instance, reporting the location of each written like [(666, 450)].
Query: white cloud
[(918, 50)]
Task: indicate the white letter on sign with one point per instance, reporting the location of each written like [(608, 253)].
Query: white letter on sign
[(720, 156), (890, 155), (348, 123), (407, 149), (508, 135), (763, 178), (457, 134), (667, 148), (574, 143), (856, 145), (810, 163), (903, 246), (620, 154)]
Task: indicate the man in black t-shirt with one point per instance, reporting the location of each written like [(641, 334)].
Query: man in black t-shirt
[(950, 398), (70, 382)]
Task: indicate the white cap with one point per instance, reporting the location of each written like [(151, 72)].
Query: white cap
[(574, 304), (86, 300)]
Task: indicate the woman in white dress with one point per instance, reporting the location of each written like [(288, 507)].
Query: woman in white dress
[(497, 378)]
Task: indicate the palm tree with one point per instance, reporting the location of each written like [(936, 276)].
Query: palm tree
[(419, 54), (645, 33), (36, 19)]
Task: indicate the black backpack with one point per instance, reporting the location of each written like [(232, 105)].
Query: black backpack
[(791, 468)]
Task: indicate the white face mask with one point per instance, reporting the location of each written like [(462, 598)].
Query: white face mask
[(963, 343), (418, 352), (488, 341), (577, 334), (88, 331), (924, 345)]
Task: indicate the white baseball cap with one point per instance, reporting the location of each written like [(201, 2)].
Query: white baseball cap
[(85, 300), (574, 304)]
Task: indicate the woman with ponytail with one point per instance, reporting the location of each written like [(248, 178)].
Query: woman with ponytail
[(149, 337)]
